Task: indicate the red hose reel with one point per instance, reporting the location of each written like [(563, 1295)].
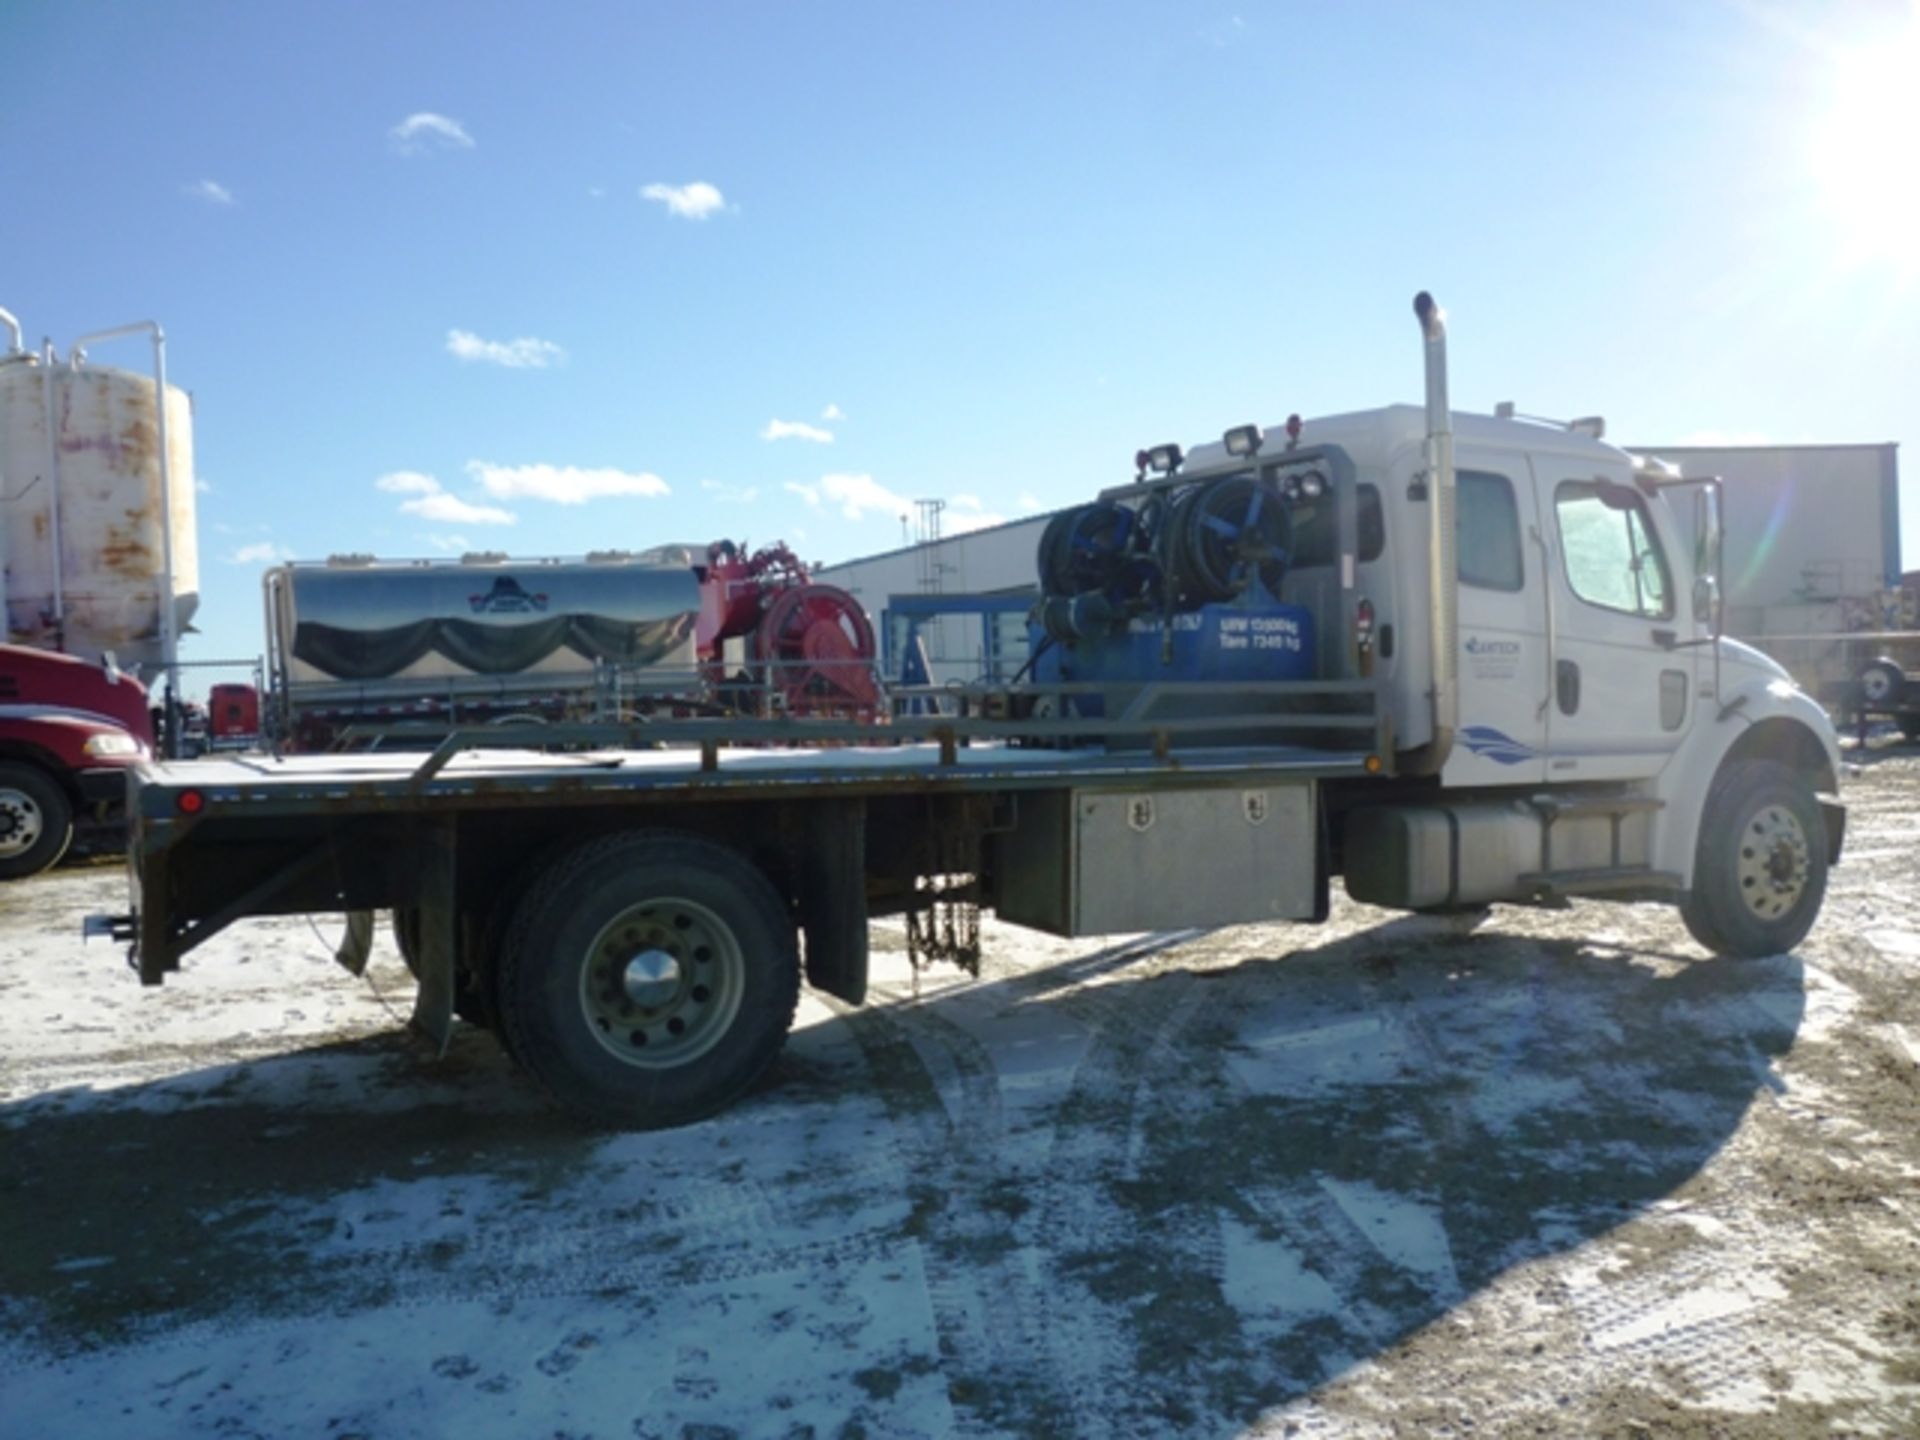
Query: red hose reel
[(817, 649), (809, 647)]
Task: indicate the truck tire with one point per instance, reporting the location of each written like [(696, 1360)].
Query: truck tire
[(1760, 869), (648, 979), (1881, 684), (36, 820)]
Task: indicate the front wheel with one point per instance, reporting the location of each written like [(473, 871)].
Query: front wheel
[(649, 979), (1760, 869), (36, 821)]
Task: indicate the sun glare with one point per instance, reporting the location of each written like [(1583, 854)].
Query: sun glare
[(1866, 152)]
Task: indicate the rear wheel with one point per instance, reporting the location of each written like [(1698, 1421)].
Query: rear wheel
[(1760, 869), (649, 979), (36, 821)]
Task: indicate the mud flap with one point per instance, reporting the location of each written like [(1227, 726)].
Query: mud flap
[(1835, 816), (356, 944), (433, 1001), (832, 875)]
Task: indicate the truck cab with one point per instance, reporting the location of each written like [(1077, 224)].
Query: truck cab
[(1601, 736), (70, 730)]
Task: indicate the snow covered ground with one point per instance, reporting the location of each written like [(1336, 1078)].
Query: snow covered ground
[(1558, 1175)]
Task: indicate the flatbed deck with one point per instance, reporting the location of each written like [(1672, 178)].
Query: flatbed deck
[(262, 785)]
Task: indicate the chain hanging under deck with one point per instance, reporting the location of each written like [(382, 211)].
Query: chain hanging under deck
[(944, 920)]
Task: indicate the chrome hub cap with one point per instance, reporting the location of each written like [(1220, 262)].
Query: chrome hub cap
[(651, 978), (662, 983), (1773, 862), (20, 823), (1876, 686)]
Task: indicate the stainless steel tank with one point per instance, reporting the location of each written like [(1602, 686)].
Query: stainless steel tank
[(418, 625), (81, 511)]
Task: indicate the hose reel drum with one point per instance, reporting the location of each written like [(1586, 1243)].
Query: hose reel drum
[(1103, 563)]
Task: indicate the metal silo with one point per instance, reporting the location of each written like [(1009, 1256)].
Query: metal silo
[(96, 504)]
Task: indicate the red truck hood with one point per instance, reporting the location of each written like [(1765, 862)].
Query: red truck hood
[(47, 683)]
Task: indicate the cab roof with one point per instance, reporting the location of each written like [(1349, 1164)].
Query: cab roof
[(1375, 438)]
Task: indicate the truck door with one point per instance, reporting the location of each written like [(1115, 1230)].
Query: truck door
[(1502, 738), (1620, 692)]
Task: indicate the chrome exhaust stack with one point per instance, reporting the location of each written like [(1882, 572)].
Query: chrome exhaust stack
[(1442, 562)]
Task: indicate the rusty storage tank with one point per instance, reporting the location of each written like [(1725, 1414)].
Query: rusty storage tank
[(84, 532)]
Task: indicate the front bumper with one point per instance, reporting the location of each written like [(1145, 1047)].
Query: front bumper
[(104, 786)]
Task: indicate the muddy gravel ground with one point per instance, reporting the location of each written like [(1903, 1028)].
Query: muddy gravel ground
[(1554, 1175)]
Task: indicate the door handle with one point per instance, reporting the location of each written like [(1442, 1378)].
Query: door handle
[(1566, 686)]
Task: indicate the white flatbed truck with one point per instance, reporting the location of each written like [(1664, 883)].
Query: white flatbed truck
[(1520, 695)]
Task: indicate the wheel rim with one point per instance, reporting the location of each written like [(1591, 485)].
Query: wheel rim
[(21, 823), (662, 983), (1773, 862), (1876, 685)]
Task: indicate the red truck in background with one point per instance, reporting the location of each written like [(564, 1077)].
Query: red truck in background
[(69, 731)]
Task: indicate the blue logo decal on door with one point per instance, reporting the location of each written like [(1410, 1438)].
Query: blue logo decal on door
[(1495, 745)]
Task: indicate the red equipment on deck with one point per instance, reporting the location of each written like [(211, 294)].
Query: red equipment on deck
[(809, 647)]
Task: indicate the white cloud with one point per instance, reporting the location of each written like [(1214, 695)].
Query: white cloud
[(211, 191), (796, 430), (526, 353), (1029, 502), (690, 202), (833, 412), (263, 552), (448, 544), (597, 192), (418, 134), (452, 510), (731, 494), (408, 482), (431, 501), (562, 484), (202, 486), (856, 495)]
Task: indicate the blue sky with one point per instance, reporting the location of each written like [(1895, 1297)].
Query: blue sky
[(429, 266)]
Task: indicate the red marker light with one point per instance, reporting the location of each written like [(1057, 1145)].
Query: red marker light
[(190, 802)]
